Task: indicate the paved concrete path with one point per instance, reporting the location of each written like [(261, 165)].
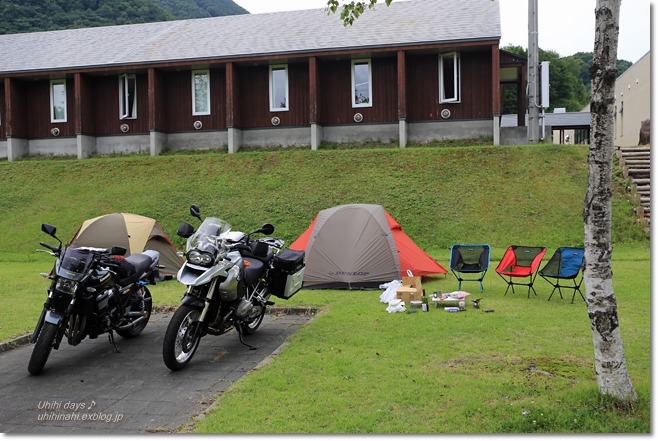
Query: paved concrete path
[(92, 389)]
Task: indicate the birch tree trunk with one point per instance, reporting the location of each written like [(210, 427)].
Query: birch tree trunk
[(609, 359)]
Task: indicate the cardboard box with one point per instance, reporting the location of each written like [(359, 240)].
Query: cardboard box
[(411, 289)]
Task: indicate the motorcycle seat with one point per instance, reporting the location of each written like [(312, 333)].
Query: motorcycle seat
[(141, 262), (253, 270)]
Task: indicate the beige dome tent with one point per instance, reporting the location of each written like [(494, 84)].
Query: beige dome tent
[(133, 232)]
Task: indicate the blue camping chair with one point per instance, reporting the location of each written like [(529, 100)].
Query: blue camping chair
[(469, 259), (565, 264)]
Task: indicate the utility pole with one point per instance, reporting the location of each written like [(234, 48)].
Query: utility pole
[(533, 73)]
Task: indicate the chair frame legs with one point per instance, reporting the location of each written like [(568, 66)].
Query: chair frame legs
[(460, 279), (511, 283), (575, 287)]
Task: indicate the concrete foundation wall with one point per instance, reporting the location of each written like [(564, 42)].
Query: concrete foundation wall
[(513, 135), (232, 139), (362, 133), (197, 140), (106, 145), (316, 135), (440, 130), (17, 148), (54, 147), (275, 137), (86, 146)]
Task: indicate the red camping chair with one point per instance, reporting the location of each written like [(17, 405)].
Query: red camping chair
[(520, 262)]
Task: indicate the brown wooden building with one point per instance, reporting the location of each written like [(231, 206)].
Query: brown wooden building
[(415, 71)]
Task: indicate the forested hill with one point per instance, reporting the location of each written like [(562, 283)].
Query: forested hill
[(185, 9), (48, 15)]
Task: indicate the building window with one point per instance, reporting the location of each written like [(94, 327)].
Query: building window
[(279, 88), (449, 78), (57, 101), (201, 92), (127, 96), (361, 83)]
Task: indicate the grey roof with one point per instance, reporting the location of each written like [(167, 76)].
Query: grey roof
[(402, 23), (555, 120)]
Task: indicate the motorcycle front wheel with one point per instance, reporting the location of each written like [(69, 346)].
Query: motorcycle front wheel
[(42, 348), (146, 304), (179, 343)]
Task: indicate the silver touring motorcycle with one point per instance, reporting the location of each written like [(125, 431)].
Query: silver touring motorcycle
[(230, 278)]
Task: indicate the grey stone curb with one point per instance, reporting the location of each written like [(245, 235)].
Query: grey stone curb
[(277, 310)]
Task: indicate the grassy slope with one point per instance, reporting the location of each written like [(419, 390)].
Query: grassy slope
[(440, 196)]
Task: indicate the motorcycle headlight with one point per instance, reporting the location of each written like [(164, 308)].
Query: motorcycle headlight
[(65, 285), (200, 258)]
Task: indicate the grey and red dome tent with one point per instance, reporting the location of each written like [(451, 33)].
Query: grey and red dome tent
[(359, 246)]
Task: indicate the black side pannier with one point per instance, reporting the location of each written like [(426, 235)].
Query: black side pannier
[(287, 275)]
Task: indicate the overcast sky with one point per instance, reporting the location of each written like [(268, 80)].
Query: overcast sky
[(565, 26)]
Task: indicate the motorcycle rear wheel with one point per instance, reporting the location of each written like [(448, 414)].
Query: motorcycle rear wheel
[(249, 328), (42, 348), (134, 331), (179, 345)]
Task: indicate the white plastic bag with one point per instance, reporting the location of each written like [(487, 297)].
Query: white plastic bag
[(395, 306), (391, 290)]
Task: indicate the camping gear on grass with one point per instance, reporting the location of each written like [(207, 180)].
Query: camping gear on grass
[(390, 290), (470, 259), (133, 232), (565, 264), (359, 246), (520, 262)]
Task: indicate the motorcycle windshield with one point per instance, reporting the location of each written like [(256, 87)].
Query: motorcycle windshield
[(205, 238), (74, 263)]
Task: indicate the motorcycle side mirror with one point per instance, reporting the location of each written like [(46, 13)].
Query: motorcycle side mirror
[(266, 229), (50, 230), (194, 211), (118, 251), (185, 230)]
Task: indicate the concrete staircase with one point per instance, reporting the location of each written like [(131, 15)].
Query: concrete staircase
[(636, 166)]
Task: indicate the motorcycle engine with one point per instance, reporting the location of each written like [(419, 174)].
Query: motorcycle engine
[(243, 309)]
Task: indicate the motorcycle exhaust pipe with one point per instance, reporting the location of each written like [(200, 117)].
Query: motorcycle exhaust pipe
[(131, 324), (132, 314)]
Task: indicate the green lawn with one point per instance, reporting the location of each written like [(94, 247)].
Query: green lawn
[(527, 367)]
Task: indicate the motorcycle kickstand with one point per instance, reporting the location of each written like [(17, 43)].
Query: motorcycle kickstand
[(253, 348), (112, 341)]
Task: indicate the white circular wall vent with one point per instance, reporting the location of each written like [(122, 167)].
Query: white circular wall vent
[(358, 117), (124, 128), (276, 121), (445, 114), (55, 131), (198, 125)]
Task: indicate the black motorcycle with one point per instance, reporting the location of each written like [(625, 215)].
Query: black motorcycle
[(230, 278), (93, 291)]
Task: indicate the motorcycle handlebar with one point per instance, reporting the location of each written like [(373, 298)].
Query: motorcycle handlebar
[(50, 247), (241, 246)]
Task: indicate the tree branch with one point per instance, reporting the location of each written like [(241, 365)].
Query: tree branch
[(351, 11)]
